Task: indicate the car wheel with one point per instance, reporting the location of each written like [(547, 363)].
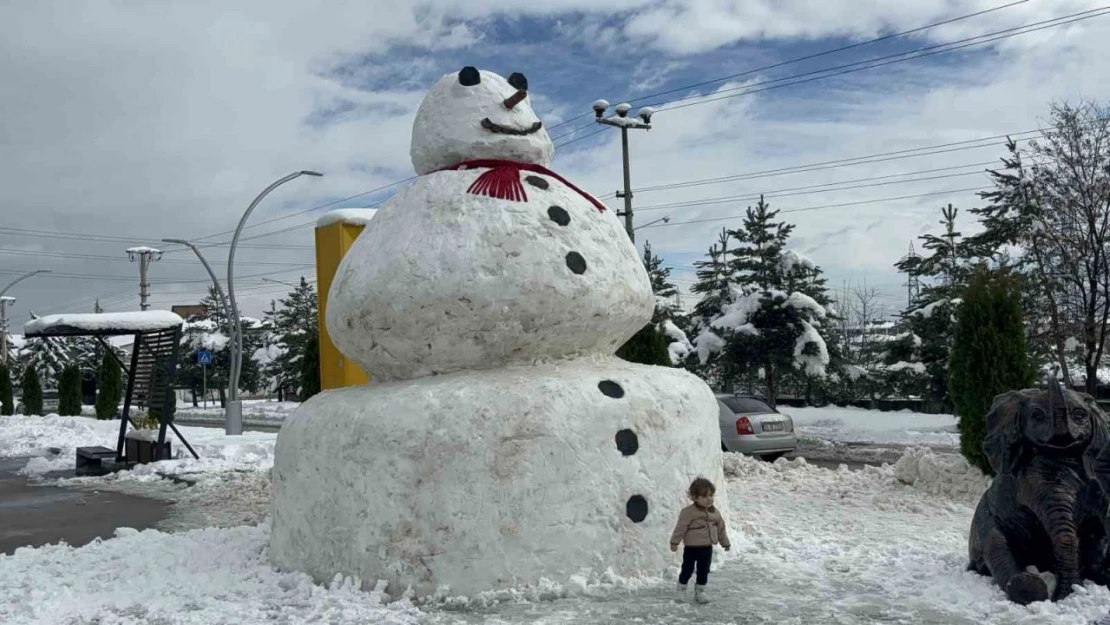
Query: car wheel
[(773, 457), (723, 448)]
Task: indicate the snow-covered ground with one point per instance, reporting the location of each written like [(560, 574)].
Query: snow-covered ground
[(856, 425), (253, 410), (811, 545), (40, 436)]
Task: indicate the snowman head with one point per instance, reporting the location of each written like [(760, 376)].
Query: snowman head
[(472, 114)]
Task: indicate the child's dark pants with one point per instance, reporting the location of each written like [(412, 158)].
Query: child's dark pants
[(701, 556)]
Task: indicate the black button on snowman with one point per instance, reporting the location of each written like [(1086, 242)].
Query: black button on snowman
[(500, 442)]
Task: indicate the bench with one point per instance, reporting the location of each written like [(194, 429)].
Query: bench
[(89, 460)]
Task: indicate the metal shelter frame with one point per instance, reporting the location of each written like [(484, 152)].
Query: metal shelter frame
[(151, 350)]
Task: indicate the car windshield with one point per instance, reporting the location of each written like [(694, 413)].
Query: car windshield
[(746, 405)]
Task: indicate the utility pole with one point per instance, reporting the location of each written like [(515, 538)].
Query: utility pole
[(96, 307), (913, 284), (146, 255), (4, 301), (624, 122)]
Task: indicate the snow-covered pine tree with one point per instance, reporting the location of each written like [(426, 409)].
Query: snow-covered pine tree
[(770, 323), (665, 291), (713, 286), (931, 316), (293, 322), (49, 356), (649, 346)]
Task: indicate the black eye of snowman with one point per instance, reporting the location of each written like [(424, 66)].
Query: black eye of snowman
[(469, 76)]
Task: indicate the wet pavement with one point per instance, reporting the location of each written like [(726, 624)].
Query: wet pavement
[(33, 514)]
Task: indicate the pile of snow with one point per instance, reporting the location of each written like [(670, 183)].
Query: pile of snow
[(679, 346), (856, 425), (35, 436), (136, 577), (350, 216), (949, 475), (931, 309)]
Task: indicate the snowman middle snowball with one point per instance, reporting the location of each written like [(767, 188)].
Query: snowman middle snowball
[(453, 273)]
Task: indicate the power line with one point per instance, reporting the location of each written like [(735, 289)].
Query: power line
[(809, 57), (813, 208), (851, 68), (4, 250), (820, 188)]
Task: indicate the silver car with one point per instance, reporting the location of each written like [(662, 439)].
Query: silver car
[(750, 426)]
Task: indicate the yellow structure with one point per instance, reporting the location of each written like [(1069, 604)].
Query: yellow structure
[(335, 233)]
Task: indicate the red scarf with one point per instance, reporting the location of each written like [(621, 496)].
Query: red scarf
[(502, 181)]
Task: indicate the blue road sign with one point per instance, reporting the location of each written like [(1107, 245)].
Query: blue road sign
[(204, 357)]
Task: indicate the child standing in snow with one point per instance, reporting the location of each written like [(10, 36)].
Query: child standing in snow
[(700, 526)]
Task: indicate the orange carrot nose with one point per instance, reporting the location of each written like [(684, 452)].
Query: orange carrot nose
[(515, 99)]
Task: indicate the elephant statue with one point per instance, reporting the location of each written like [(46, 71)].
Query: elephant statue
[(1047, 505)]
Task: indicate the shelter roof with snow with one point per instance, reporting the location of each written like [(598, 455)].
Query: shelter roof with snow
[(104, 324)]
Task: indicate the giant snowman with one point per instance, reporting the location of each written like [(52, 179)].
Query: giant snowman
[(500, 441)]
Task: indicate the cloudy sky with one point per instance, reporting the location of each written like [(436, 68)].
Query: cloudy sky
[(122, 123)]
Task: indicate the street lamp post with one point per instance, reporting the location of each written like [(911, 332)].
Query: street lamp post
[(624, 122), (233, 415), (222, 300), (652, 223), (4, 301)]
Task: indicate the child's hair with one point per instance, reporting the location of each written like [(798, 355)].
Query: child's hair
[(700, 487)]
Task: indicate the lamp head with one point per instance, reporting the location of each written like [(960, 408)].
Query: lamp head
[(645, 114), (600, 106), (623, 108)]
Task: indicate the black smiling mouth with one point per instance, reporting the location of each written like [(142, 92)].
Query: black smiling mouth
[(499, 129)]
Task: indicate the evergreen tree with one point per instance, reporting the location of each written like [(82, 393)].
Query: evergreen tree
[(713, 285), (1051, 202), (32, 392), (649, 345), (69, 391), (7, 402), (109, 388), (310, 368), (164, 410), (49, 356), (665, 291), (771, 324), (931, 316), (292, 322), (713, 281), (989, 356)]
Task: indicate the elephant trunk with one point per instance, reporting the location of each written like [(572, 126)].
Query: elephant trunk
[(1057, 514)]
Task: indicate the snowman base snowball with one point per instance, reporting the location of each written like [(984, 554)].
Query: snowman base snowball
[(484, 480)]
